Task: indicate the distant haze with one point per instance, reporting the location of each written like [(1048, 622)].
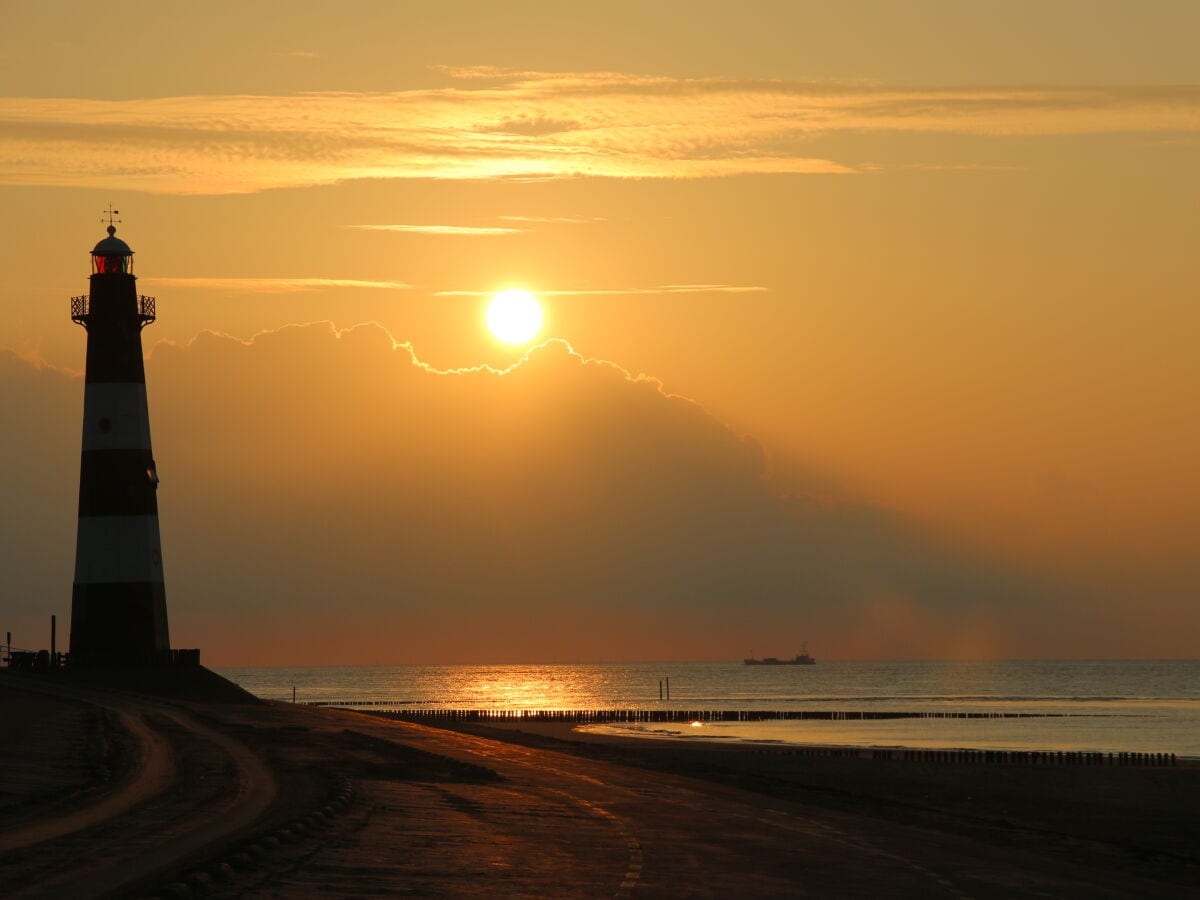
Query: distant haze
[(327, 498)]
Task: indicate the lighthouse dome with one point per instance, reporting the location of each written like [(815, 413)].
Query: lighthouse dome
[(112, 245)]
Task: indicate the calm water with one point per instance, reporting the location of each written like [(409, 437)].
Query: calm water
[(1111, 705)]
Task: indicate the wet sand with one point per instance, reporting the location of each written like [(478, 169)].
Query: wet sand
[(273, 800)]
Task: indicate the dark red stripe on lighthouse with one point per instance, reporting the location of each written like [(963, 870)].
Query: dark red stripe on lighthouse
[(117, 483), (114, 351), (117, 620)]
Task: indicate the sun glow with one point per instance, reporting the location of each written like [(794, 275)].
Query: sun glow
[(514, 316)]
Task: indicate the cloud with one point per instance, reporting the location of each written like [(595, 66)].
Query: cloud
[(443, 229), (567, 220), (937, 167), (492, 124), (535, 126), (605, 292), (274, 285), (305, 285), (327, 497)]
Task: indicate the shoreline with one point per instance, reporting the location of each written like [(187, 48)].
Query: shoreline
[(1111, 757), (569, 733), (884, 733)]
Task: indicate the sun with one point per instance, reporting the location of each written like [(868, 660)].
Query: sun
[(514, 316)]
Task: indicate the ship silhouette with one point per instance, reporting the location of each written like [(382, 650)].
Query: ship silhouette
[(800, 659)]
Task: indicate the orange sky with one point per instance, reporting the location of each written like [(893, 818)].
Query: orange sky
[(937, 263)]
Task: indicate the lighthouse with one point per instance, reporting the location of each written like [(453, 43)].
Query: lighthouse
[(118, 603)]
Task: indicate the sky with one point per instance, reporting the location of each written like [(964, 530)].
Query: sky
[(870, 325)]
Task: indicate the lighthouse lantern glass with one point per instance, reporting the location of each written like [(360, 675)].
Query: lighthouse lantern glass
[(105, 265)]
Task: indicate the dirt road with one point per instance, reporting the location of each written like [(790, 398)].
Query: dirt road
[(187, 786)]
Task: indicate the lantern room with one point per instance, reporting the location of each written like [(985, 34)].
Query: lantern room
[(112, 256)]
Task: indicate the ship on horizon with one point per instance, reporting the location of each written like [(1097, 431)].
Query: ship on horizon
[(800, 659)]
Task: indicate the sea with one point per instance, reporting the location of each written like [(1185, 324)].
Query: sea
[(1109, 706)]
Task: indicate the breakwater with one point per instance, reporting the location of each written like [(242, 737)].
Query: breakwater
[(601, 716), (983, 757)]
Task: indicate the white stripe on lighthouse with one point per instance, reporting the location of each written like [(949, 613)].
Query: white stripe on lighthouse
[(118, 549), (115, 417)]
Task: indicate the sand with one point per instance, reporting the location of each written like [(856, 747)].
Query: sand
[(240, 799)]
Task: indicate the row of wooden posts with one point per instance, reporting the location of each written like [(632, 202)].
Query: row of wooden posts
[(588, 716), (986, 757), (600, 716)]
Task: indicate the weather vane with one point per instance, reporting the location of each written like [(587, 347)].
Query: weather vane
[(108, 215)]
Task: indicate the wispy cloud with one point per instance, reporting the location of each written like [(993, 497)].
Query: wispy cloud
[(492, 124), (567, 220), (604, 292), (298, 54), (937, 167), (303, 285), (276, 285), (443, 229)]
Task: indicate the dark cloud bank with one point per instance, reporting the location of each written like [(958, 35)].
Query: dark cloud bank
[(326, 498)]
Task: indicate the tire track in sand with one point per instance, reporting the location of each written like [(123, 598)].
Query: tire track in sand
[(187, 830)]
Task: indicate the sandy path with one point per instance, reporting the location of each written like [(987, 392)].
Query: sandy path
[(154, 819), (253, 791), (151, 775), (562, 826), (565, 826), (685, 828)]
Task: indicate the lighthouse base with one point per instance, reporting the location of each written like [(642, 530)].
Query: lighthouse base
[(120, 624)]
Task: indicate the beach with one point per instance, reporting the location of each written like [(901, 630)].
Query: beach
[(174, 797)]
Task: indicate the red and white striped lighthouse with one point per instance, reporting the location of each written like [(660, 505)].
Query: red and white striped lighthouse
[(118, 605)]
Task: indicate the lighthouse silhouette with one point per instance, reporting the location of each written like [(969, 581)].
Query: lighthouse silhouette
[(118, 603)]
